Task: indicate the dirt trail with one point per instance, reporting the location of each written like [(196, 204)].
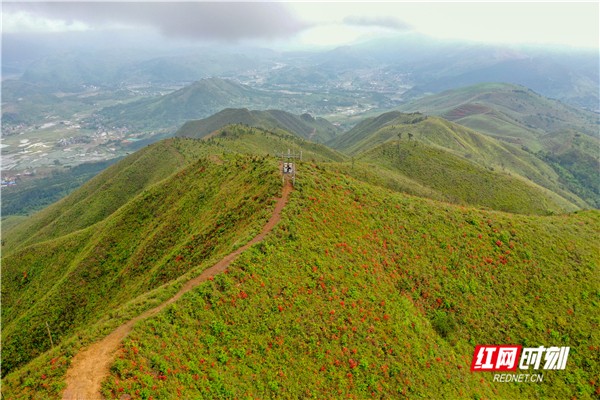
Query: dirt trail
[(91, 366)]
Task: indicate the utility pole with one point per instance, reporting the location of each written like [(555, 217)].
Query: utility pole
[(289, 167)]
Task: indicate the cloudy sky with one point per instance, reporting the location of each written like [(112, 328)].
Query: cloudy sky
[(310, 24)]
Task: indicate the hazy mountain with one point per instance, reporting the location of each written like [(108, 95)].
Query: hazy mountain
[(416, 62), (572, 78), (69, 70), (194, 101), (305, 125), (514, 113), (208, 96), (432, 66)]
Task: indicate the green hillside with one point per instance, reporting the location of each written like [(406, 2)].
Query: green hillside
[(556, 132), (114, 187), (164, 232), (103, 195), (387, 298), (358, 292), (511, 112), (398, 291), (459, 181), (359, 137), (463, 142), (250, 140), (194, 101), (574, 157), (306, 126), (131, 215)]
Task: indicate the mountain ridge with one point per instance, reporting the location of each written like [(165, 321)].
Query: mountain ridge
[(91, 366), (305, 125), (458, 140), (517, 105), (555, 132), (197, 100), (410, 274)]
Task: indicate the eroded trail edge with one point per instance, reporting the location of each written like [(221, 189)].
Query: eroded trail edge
[(91, 366)]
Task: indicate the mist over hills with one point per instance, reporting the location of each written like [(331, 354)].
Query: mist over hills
[(572, 81), (119, 66), (410, 62)]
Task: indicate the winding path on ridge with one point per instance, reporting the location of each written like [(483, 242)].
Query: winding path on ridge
[(91, 366)]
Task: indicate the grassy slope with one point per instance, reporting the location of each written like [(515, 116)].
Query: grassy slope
[(130, 244), (317, 130), (517, 115), (251, 140), (101, 196), (460, 181), (506, 110), (460, 141), (159, 235), (376, 174), (387, 298), (104, 194), (575, 158), (12, 220), (358, 138)]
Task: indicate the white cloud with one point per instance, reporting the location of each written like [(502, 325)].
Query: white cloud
[(566, 23), (22, 21)]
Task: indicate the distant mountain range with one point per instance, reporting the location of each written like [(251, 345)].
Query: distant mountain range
[(413, 65), (565, 137), (569, 75), (68, 71), (545, 141), (542, 140), (480, 152), (474, 147), (208, 96), (511, 112)]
